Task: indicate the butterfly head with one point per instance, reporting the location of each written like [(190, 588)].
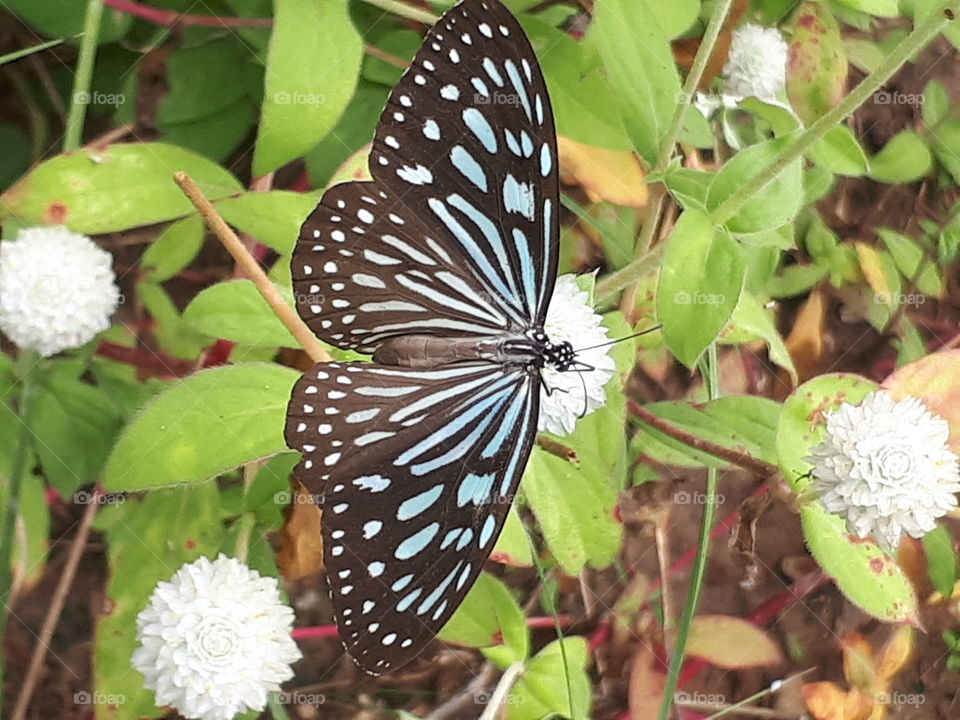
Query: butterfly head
[(557, 355)]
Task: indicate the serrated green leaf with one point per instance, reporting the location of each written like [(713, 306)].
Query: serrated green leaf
[(700, 284), (115, 188), (574, 508), (207, 424), (312, 69), (868, 577)]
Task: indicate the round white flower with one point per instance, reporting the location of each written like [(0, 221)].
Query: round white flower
[(215, 640), (886, 467), (757, 63), (567, 396), (57, 289)]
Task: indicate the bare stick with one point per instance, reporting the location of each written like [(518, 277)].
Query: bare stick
[(304, 335), (56, 607)]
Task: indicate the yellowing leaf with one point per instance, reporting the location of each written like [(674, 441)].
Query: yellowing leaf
[(805, 341), (873, 269), (934, 379), (301, 544), (612, 175), (645, 689), (857, 660), (825, 700), (730, 642), (895, 653)]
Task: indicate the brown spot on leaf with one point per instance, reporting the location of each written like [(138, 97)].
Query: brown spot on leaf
[(877, 565), (57, 214), (191, 544)]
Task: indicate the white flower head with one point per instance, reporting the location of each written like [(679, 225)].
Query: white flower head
[(57, 289), (215, 640), (886, 467), (757, 63), (567, 396)]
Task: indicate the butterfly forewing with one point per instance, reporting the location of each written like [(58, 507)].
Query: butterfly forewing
[(467, 140), (416, 469)]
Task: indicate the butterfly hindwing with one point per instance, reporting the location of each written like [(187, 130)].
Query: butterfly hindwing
[(415, 472)]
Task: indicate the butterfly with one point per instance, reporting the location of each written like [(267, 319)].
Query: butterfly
[(441, 268)]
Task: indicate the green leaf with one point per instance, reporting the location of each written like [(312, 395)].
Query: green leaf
[(700, 283), (488, 616), (234, 310), (676, 17), (774, 205), (66, 19), (174, 335), (273, 218), (912, 264), (904, 159), (880, 8), (936, 103), (75, 425), (802, 423), (640, 67), (513, 546), (946, 146), (755, 321), (840, 153), (148, 540), (209, 423), (113, 188), (869, 578), (312, 69), (174, 249), (574, 508), (541, 690), (204, 80), (817, 65), (736, 422), (214, 136), (689, 187), (941, 560), (16, 154)]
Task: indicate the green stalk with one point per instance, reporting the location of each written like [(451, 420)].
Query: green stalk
[(25, 363), (81, 81), (921, 36), (17, 54), (710, 369), (403, 10)]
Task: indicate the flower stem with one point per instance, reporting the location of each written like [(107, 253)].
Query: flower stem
[(404, 10), (25, 363), (710, 369), (17, 54), (81, 81), (921, 35)]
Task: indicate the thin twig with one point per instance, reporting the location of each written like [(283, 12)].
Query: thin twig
[(56, 607), (251, 267), (734, 457), (559, 449), (169, 18), (374, 51)]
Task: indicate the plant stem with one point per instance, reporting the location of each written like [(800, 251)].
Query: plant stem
[(710, 368), (913, 43), (403, 10), (81, 81), (17, 54)]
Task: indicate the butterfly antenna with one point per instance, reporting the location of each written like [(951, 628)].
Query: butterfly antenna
[(625, 337)]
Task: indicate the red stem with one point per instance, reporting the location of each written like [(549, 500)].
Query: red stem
[(154, 363), (169, 18)]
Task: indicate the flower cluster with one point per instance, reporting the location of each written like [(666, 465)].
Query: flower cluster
[(886, 467), (215, 640), (57, 289), (567, 396), (757, 63)]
